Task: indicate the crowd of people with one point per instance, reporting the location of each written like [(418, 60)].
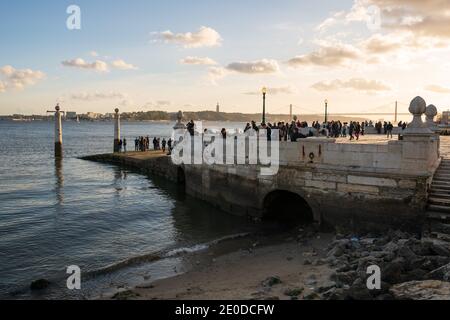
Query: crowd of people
[(287, 132)]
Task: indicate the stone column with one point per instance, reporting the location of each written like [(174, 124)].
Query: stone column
[(420, 149), (179, 125), (116, 131), (58, 133), (431, 113)]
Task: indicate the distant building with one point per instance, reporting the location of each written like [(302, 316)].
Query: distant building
[(93, 115), (71, 115), (218, 108)]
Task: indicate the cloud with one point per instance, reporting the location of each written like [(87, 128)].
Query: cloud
[(437, 88), (204, 37), (122, 65), (217, 73), (275, 91), (156, 105), (95, 96), (98, 65), (254, 67), (379, 44), (331, 21), (198, 61), (93, 54), (357, 84), (18, 79), (327, 55)]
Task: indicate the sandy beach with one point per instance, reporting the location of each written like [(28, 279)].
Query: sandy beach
[(282, 270)]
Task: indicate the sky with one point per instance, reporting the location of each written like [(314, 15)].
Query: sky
[(142, 55)]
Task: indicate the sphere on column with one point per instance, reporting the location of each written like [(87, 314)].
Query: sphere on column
[(417, 106)]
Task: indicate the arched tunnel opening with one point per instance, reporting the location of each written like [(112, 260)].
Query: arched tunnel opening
[(287, 208)]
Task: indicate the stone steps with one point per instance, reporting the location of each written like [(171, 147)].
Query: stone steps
[(440, 186), (441, 227), (439, 203), (440, 194), (439, 208)]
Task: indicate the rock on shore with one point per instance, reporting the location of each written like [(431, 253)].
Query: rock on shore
[(411, 268)]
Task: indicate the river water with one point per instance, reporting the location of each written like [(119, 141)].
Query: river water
[(54, 214)]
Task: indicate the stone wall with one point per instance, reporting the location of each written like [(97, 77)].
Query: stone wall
[(365, 186)]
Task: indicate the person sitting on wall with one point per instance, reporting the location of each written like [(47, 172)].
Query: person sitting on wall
[(297, 135)]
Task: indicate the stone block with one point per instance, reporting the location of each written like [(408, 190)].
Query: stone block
[(355, 188), (382, 148), (370, 148), (320, 184), (372, 181), (329, 177), (407, 184)]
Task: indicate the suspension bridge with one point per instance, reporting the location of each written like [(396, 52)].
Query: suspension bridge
[(391, 109)]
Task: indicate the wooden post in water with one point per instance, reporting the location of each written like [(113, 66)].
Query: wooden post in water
[(116, 131), (58, 132)]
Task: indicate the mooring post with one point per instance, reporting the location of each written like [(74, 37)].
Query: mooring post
[(116, 131), (58, 131)]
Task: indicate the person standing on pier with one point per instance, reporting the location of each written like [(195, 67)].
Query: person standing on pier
[(136, 144), (351, 130), (389, 129), (163, 143), (124, 145), (357, 130)]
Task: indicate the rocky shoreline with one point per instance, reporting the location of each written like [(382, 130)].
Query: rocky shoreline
[(411, 267), (314, 265)]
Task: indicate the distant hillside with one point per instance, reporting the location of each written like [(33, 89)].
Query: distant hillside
[(223, 116)]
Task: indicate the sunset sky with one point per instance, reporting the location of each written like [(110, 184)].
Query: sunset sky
[(171, 55)]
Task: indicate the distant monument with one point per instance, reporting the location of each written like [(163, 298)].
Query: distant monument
[(179, 125), (218, 108)]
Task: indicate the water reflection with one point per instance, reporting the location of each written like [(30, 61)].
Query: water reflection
[(120, 175), (59, 185), (193, 219)]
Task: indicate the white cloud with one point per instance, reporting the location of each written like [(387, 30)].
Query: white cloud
[(18, 79), (275, 91), (437, 88), (156, 105), (93, 54), (217, 73), (122, 65), (85, 96), (327, 55), (98, 65), (331, 21), (204, 37), (254, 67), (198, 61), (357, 84)]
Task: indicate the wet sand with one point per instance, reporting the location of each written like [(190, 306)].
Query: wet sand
[(251, 272)]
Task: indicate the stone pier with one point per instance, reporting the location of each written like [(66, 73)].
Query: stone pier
[(363, 186)]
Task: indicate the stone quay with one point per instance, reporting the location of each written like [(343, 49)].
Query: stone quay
[(366, 186)]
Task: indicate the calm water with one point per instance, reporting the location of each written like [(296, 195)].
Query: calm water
[(54, 214)]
